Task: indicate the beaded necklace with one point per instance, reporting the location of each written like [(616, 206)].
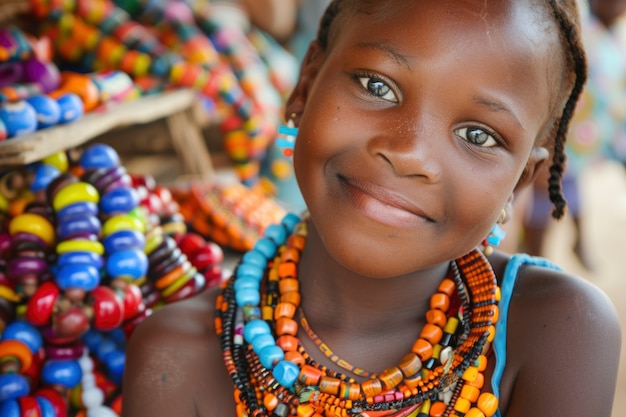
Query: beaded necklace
[(274, 376)]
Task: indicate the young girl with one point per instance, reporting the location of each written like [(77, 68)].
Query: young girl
[(418, 122)]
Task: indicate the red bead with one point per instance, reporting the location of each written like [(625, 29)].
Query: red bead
[(108, 308), (58, 402), (41, 304), (71, 323), (133, 301)]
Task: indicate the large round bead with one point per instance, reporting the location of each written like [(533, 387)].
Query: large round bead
[(66, 373), (108, 308), (40, 305)]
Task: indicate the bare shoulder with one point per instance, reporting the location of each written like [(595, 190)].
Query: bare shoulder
[(174, 363), (563, 346)]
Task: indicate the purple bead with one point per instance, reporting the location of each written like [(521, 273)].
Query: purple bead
[(66, 373), (64, 352), (10, 73), (46, 74), (20, 267)]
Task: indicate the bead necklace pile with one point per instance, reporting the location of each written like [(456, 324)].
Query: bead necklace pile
[(274, 376)]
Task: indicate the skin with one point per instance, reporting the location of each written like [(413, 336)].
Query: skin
[(395, 191)]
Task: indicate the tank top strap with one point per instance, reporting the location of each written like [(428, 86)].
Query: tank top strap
[(506, 289)]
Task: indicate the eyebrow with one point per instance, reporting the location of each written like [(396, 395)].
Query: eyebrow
[(496, 107), (397, 56)]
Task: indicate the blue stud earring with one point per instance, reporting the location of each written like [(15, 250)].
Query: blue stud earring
[(496, 235), (287, 137)]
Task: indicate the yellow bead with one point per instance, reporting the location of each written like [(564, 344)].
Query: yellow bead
[(58, 160), (80, 245), (488, 403), (122, 222), (462, 405), (77, 192), (33, 224), (470, 374), (474, 412)]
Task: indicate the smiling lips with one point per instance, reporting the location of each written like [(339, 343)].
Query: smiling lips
[(381, 204)]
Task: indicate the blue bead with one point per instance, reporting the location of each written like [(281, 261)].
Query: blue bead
[(115, 362), (43, 175), (13, 386), (246, 283), (76, 226), (255, 258), (62, 372), (47, 110), (84, 208), (123, 240), (119, 200), (254, 328), (127, 263), (286, 373), (72, 107), (99, 155), (92, 339), (248, 270), (271, 355), (290, 221), (25, 333), (45, 406), (80, 257), (277, 233), (19, 118), (266, 247), (261, 341), (10, 408), (83, 276), (105, 347), (247, 296)]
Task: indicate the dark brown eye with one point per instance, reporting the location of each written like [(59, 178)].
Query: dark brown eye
[(476, 136), (378, 88)]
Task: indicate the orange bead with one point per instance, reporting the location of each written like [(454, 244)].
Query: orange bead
[(437, 408), (470, 374), (292, 297), (474, 412), (423, 349), (309, 375), (447, 286), (270, 401), (371, 387), (286, 285), (286, 326), (488, 403), (349, 391), (287, 270), (431, 333), (296, 357), (290, 255), (478, 382), (440, 301), (329, 385), (391, 377), (305, 410), (436, 317), (287, 343), (462, 405), (470, 393), (410, 364), (284, 310), (15, 349)]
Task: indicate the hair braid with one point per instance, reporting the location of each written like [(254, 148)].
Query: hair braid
[(326, 22), (566, 17)]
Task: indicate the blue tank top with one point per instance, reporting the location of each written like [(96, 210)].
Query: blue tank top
[(506, 289)]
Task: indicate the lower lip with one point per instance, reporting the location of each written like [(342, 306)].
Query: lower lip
[(378, 210)]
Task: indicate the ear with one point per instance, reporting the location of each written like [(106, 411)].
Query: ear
[(308, 71), (536, 166)]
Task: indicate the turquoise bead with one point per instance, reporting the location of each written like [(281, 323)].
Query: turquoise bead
[(277, 233), (254, 328), (246, 283), (255, 258), (290, 221), (286, 373), (248, 270), (261, 341), (271, 355), (248, 296), (266, 247)]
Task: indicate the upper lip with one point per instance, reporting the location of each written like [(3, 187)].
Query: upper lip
[(386, 195)]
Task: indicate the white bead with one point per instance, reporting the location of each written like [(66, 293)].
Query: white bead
[(86, 364), (92, 397), (88, 380), (101, 411)]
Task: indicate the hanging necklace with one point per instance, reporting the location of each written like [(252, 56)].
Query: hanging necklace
[(274, 376)]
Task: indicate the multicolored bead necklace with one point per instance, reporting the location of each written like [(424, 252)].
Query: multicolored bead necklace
[(274, 376)]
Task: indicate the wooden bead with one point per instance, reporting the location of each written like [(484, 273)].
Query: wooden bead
[(431, 333), (371, 387), (391, 377), (329, 385), (423, 349), (410, 364), (286, 325)]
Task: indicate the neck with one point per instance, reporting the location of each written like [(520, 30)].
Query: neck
[(364, 304)]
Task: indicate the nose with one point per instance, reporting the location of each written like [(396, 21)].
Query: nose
[(411, 152)]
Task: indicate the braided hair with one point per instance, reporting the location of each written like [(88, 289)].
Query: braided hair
[(566, 15)]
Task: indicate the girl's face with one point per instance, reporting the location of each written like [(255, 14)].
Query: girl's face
[(416, 126)]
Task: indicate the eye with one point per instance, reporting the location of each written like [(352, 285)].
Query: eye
[(378, 88), (477, 136)]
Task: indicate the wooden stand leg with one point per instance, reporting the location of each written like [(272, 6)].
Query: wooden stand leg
[(189, 143)]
